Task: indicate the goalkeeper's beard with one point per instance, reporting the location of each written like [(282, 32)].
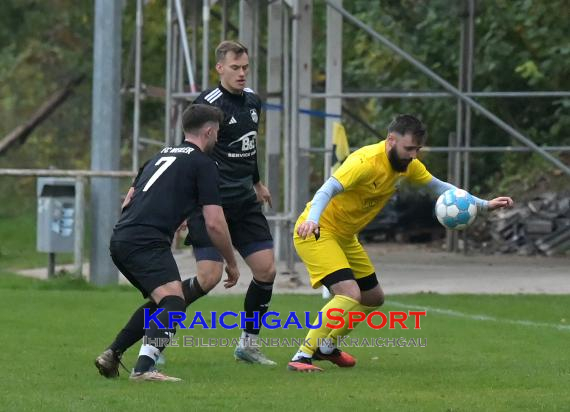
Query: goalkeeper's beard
[(397, 163)]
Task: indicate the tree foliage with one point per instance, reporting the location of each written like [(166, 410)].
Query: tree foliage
[(520, 45)]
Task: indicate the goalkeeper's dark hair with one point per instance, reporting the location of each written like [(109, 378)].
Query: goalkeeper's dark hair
[(407, 124), (197, 115)]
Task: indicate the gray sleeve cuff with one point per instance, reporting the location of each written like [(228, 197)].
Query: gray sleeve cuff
[(328, 190)]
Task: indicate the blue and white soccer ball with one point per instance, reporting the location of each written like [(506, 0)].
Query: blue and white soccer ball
[(455, 209)]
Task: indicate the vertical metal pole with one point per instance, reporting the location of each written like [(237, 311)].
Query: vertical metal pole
[(137, 103), (288, 136), (334, 78), (460, 124), (177, 133), (79, 226), (333, 85), (287, 244), (174, 80), (469, 22), (51, 265), (255, 46), (168, 85), (246, 35), (194, 13), (451, 236), (459, 134), (184, 42), (304, 45), (205, 43), (224, 28), (470, 44), (294, 113), (273, 123), (105, 136)]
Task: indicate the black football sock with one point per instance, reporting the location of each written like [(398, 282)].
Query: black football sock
[(192, 290), (157, 339), (133, 330), (257, 299)]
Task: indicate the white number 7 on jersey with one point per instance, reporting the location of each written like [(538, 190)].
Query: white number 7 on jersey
[(168, 160)]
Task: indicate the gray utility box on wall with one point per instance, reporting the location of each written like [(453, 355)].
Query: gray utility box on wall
[(56, 214)]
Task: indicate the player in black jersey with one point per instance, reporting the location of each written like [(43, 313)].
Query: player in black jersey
[(242, 195), (178, 182)]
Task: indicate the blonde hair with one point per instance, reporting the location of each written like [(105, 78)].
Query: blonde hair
[(229, 46)]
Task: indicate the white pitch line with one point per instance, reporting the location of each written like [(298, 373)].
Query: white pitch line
[(486, 318)]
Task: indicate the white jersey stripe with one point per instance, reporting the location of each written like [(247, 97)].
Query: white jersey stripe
[(214, 98), (212, 95), (216, 90)]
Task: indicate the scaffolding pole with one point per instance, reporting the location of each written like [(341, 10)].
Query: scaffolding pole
[(453, 90), (137, 91)]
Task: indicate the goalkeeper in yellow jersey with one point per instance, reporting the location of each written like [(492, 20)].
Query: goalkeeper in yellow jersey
[(325, 234)]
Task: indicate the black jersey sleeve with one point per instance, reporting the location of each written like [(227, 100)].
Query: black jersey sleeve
[(208, 183), (256, 177)]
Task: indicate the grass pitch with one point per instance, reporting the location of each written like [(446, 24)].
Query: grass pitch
[(483, 353)]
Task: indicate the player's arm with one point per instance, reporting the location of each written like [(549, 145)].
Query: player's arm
[(219, 233), (437, 187), (129, 195), (326, 192), (262, 192)]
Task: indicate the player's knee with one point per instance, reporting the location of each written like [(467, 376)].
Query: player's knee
[(264, 270), (210, 280), (372, 293), (342, 282), (347, 288), (173, 288), (353, 293), (209, 274)]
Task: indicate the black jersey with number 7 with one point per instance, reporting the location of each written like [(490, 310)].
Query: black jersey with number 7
[(175, 183)]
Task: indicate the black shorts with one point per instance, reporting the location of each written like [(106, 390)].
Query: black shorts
[(145, 266), (248, 228)]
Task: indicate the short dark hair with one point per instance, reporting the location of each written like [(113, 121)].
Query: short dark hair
[(407, 124), (197, 115), (229, 46)]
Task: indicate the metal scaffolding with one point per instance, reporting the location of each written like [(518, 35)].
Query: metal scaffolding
[(288, 90), (288, 86)]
